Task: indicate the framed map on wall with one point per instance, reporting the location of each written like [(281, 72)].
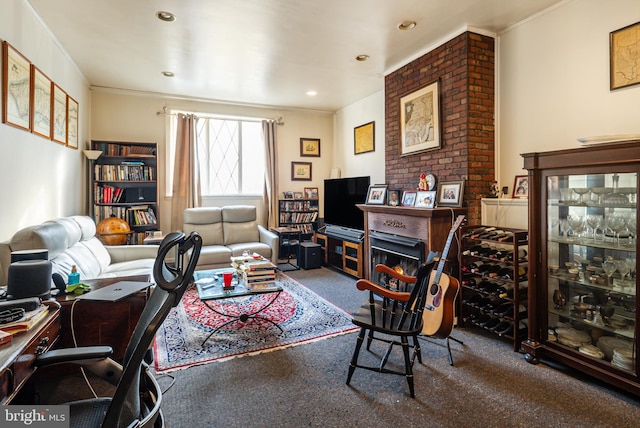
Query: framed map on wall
[(624, 51)]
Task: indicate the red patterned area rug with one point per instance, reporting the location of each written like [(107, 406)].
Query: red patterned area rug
[(302, 314)]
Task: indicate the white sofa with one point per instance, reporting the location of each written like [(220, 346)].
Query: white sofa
[(229, 231), (72, 241)]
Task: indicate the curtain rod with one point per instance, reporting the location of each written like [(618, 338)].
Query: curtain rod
[(279, 120)]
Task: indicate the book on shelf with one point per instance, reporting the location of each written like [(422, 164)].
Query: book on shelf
[(27, 322)]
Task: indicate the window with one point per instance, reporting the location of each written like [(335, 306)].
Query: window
[(230, 156)]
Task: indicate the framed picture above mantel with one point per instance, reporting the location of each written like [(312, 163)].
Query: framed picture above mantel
[(420, 120)]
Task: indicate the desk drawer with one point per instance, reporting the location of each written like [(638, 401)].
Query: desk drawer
[(23, 365)]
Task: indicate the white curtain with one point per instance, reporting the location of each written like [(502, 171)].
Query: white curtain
[(186, 178), (270, 197)]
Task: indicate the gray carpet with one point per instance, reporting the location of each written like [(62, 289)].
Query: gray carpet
[(489, 386)]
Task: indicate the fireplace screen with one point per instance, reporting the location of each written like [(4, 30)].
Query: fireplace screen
[(400, 253)]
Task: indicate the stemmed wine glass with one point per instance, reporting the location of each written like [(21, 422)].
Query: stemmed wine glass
[(616, 223), (624, 269), (594, 221), (581, 191), (609, 267), (576, 223), (600, 192)]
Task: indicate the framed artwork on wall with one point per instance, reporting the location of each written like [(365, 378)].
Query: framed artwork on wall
[(72, 123), (420, 120), (450, 193), (301, 171), (364, 138), (59, 115), (40, 103), (624, 56), (16, 88), (310, 147)]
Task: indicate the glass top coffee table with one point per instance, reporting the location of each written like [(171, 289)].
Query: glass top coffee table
[(210, 287)]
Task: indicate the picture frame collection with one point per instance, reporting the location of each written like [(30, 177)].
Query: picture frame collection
[(448, 194), (34, 103)]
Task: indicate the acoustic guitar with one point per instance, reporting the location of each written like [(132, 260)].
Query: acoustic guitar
[(439, 309)]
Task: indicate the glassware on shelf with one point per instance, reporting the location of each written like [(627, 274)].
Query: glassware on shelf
[(576, 223), (616, 223), (616, 198), (581, 191), (609, 267), (594, 221), (600, 192), (623, 268)]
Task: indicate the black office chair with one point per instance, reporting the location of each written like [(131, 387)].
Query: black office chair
[(392, 313), (137, 397)]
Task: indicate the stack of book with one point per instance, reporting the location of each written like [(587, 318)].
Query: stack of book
[(257, 272)]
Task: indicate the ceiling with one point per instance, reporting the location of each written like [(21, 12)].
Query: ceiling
[(263, 52)]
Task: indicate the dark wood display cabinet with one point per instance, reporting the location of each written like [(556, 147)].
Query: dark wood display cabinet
[(493, 276), (583, 206)]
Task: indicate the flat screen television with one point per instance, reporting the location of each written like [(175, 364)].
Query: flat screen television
[(340, 198)]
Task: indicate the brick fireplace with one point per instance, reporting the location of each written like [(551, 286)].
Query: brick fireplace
[(465, 68)]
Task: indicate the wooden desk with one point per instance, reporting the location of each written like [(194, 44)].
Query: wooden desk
[(101, 323), (17, 357)]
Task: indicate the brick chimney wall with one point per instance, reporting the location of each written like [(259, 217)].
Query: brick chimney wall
[(465, 68)]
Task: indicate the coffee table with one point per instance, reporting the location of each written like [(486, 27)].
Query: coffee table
[(210, 287)]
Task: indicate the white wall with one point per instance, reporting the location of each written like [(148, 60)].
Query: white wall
[(123, 116), (40, 179), (553, 82), (370, 164)]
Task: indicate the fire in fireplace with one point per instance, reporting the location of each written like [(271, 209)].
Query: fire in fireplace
[(401, 253)]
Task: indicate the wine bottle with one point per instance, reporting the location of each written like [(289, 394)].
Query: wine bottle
[(505, 290)]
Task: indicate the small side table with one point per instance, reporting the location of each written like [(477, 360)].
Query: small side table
[(289, 244)]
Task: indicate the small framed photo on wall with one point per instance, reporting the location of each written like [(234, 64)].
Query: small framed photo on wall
[(301, 171), (310, 147)]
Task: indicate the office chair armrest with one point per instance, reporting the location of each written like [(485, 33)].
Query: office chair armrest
[(72, 355), (93, 358), (365, 284), (396, 275)]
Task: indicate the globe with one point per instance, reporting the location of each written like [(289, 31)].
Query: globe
[(113, 231)]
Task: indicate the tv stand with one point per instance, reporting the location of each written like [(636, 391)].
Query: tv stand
[(341, 249)]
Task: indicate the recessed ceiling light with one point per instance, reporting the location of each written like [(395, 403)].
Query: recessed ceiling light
[(166, 16), (407, 25), (312, 93), (362, 57), (167, 74)]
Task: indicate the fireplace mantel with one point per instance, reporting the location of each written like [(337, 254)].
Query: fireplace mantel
[(431, 226)]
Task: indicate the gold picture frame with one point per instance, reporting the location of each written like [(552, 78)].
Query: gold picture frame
[(420, 120), (16, 88), (301, 171), (624, 56), (364, 138), (40, 103), (310, 147)]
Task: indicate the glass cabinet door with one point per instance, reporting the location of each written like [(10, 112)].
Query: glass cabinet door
[(591, 265)]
